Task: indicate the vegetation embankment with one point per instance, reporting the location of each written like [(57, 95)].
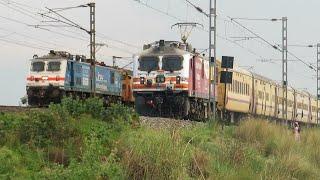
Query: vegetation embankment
[(82, 140)]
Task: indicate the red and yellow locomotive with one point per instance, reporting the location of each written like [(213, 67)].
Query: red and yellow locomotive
[(171, 79)]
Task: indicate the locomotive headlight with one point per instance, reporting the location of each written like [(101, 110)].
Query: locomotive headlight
[(142, 80), (45, 78), (163, 79), (178, 79)]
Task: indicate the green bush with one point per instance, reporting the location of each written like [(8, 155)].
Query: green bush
[(94, 107), (73, 107), (80, 139), (45, 128), (9, 129), (9, 162)]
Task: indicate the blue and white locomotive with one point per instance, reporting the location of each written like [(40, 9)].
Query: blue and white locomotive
[(61, 74)]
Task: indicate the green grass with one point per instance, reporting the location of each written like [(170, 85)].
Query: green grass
[(69, 141)]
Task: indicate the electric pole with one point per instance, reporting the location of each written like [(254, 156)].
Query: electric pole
[(93, 45), (318, 81), (92, 32), (285, 69), (212, 60)]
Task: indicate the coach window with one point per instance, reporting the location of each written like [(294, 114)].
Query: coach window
[(237, 87), (242, 88), (37, 66), (243, 91), (233, 84), (54, 66), (247, 89)]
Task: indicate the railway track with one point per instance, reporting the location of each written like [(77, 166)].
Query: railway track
[(166, 123), (6, 109)]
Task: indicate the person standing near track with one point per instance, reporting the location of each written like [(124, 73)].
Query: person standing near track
[(297, 130)]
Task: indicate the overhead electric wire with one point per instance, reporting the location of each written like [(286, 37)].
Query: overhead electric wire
[(302, 61), (225, 38), (69, 22), (14, 20), (118, 41), (68, 8), (29, 37), (309, 65), (17, 10), (158, 10), (31, 14), (220, 36), (255, 34), (24, 44)]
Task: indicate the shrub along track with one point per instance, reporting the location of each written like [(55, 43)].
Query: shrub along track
[(152, 122)]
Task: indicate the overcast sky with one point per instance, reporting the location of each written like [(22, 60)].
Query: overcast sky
[(125, 25)]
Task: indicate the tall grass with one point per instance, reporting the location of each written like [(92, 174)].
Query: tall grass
[(72, 142), (286, 158), (255, 149)]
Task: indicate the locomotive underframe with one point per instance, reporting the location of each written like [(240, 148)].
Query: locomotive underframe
[(43, 96), (175, 104)]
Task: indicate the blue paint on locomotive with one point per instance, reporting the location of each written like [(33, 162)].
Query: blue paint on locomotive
[(108, 81), (78, 77)]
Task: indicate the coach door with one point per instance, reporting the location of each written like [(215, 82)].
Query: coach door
[(264, 102), (275, 98), (309, 108), (294, 110), (255, 97), (193, 75)]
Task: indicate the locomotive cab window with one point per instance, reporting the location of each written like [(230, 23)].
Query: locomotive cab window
[(37, 66), (149, 63), (54, 66), (172, 63)]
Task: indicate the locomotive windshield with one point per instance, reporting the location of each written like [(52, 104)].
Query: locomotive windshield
[(172, 63), (54, 66), (149, 63), (37, 66)]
